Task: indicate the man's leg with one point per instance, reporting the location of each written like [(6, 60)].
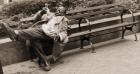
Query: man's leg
[(37, 45), (26, 34), (57, 51), (29, 47), (29, 34), (9, 30)]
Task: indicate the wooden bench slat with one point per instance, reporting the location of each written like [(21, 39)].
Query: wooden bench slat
[(75, 22), (101, 29), (78, 16), (83, 24), (92, 8)]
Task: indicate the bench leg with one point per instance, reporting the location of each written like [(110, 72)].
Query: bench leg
[(1, 70), (87, 38), (82, 42), (123, 32), (91, 44), (134, 32), (131, 29), (92, 47)]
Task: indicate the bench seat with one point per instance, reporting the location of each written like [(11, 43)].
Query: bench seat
[(102, 29)]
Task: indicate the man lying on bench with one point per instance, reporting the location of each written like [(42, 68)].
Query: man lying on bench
[(55, 29)]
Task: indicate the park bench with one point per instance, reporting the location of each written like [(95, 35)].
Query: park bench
[(82, 27)]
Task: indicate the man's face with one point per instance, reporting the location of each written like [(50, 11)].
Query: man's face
[(46, 7), (60, 9)]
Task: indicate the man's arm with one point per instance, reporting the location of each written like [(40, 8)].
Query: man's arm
[(27, 19), (34, 18)]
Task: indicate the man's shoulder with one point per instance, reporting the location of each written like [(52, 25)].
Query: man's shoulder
[(61, 18)]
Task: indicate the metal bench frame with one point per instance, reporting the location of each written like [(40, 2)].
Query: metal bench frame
[(86, 37)]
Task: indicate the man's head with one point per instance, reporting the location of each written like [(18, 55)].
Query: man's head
[(56, 7), (45, 7), (61, 10)]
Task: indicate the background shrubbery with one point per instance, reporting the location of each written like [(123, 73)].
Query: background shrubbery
[(130, 4), (27, 8), (30, 7), (24, 7)]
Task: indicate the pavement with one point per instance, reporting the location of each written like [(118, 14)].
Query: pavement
[(112, 57)]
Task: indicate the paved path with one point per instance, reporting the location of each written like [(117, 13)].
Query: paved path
[(111, 57)]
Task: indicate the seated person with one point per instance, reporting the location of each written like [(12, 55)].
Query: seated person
[(56, 29)]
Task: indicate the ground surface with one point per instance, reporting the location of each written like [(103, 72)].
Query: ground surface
[(112, 57)]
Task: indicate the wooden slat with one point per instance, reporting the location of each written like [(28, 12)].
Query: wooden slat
[(101, 29), (103, 20), (78, 16), (91, 8), (74, 23)]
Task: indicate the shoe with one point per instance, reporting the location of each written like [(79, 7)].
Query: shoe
[(46, 67), (9, 31)]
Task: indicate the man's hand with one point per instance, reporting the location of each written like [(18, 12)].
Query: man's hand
[(27, 19)]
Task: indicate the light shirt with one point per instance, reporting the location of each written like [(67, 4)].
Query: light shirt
[(56, 27), (47, 16)]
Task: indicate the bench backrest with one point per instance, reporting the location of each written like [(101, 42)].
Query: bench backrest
[(80, 18), (92, 11)]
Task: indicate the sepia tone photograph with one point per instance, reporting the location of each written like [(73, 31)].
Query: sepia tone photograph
[(69, 36)]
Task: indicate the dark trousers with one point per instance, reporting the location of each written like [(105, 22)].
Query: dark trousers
[(32, 34), (36, 36)]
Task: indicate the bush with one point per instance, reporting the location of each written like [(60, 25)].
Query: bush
[(25, 7), (31, 7), (76, 4), (131, 4)]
